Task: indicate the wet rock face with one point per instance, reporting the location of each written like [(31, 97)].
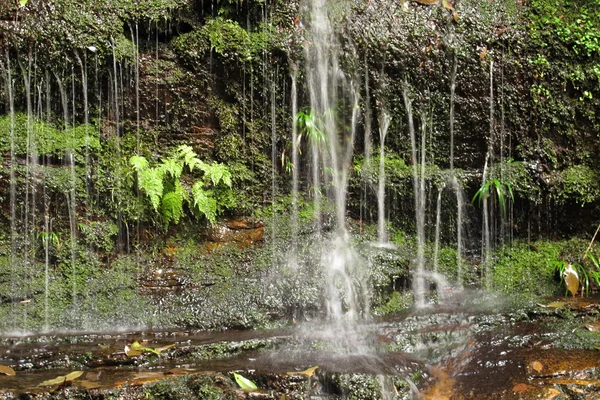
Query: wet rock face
[(237, 230)]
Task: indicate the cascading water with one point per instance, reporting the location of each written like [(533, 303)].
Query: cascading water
[(325, 81)]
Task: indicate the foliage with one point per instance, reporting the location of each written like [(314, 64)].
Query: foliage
[(595, 271), (99, 234), (32, 135), (526, 268), (564, 268), (163, 185), (310, 126), (502, 190), (233, 43), (578, 183), (244, 383), (397, 302)]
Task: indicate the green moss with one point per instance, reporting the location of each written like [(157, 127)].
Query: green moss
[(359, 386), (397, 302), (526, 268), (191, 387), (579, 184)]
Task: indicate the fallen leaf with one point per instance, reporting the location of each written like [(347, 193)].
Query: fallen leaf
[(59, 380), (6, 370), (130, 352), (537, 366), (597, 347), (89, 384), (244, 383), (595, 327), (554, 304), (137, 347), (521, 387), (159, 350), (308, 372)]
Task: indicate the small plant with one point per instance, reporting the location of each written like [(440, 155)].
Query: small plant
[(503, 190), (595, 274), (310, 126), (572, 275), (167, 194)]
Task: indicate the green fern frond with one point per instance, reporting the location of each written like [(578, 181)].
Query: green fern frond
[(172, 167), (151, 182), (172, 208), (204, 202), (217, 173), (138, 163), (180, 190), (188, 155)]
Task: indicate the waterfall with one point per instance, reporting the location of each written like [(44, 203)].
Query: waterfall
[(330, 90)]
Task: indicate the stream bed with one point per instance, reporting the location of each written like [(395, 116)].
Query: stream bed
[(545, 350)]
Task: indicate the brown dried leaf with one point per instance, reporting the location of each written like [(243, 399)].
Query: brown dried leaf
[(571, 279), (6, 370), (595, 327), (520, 387), (308, 372), (537, 366)]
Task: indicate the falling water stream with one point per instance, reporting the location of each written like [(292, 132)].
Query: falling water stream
[(384, 124)]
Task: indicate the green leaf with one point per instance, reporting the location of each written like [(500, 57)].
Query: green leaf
[(23, 3), (172, 167), (172, 207), (138, 163), (204, 202), (151, 182), (244, 383)]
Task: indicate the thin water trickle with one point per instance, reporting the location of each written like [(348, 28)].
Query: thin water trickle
[(384, 124), (486, 245), (438, 223), (295, 167), (418, 279), (13, 184)]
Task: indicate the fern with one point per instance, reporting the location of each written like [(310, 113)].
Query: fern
[(217, 173), (172, 167), (151, 182), (138, 163), (188, 155), (204, 202), (172, 207), (163, 187)]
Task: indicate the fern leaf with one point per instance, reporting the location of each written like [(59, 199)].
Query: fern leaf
[(188, 155), (181, 191), (217, 173), (172, 167), (138, 163), (151, 182), (172, 208), (204, 202)]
